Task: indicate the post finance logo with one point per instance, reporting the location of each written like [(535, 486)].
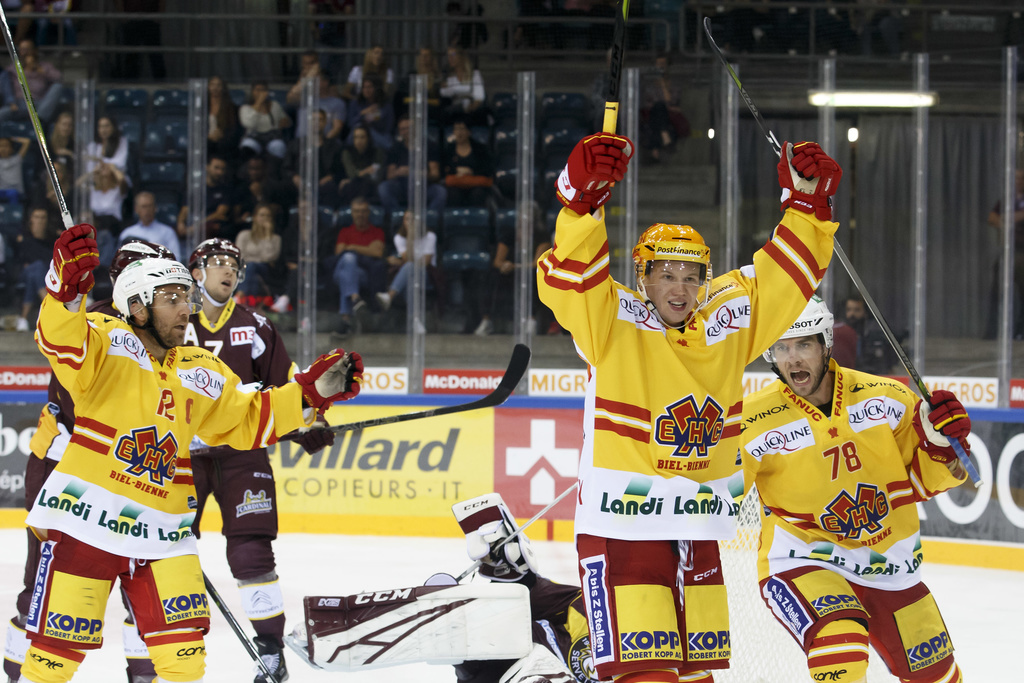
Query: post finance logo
[(148, 454), (690, 429), (849, 517)]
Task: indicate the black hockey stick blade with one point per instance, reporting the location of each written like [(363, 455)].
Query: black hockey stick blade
[(611, 105), (908, 365), (513, 373)]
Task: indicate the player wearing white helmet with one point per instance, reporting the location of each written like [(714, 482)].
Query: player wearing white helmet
[(839, 458), (119, 504), (658, 470)]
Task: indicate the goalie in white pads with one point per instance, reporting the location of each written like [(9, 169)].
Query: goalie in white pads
[(522, 628), (839, 458)]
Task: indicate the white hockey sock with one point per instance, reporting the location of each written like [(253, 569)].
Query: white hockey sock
[(16, 644), (262, 600), (134, 646)]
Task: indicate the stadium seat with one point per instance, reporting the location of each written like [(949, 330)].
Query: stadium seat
[(17, 129), (167, 213), (167, 178), (566, 105), (170, 101), (504, 219), (467, 239), (433, 220), (503, 107), (124, 100), (11, 217), (131, 127), (506, 138), (506, 176), (557, 143), (344, 217), (166, 139)]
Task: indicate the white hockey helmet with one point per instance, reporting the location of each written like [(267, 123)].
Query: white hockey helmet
[(815, 319), (139, 280)]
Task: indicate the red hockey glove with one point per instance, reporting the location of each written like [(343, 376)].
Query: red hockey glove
[(75, 256), (941, 421), (808, 178), (596, 161), (316, 439), (334, 376)]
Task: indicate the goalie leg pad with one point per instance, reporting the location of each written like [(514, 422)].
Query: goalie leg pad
[(434, 624), (839, 652), (539, 666)]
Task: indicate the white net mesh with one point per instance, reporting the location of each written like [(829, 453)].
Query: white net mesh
[(762, 650)]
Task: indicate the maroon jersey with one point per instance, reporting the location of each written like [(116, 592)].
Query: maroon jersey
[(248, 343)]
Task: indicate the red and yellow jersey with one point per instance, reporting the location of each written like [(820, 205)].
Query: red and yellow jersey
[(840, 489), (247, 343), (124, 483), (663, 406)]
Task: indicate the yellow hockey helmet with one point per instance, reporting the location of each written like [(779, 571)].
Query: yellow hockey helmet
[(664, 242)]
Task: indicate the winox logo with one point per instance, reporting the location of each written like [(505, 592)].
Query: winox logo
[(689, 428), (930, 651), (187, 606), (849, 517), (728, 318), (148, 454)]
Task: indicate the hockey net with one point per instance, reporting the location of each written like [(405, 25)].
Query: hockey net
[(762, 649)]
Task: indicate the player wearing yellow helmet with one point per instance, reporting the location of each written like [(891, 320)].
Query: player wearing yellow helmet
[(658, 472)]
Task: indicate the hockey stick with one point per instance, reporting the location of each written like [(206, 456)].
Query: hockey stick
[(516, 369), (972, 471), (611, 105), (233, 623), (520, 530), (31, 107)]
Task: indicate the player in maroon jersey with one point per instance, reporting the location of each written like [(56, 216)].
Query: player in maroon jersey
[(243, 481)]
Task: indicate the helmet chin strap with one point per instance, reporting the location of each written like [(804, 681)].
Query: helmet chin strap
[(201, 284), (654, 309)]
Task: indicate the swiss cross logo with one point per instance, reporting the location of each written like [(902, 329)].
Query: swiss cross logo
[(148, 454), (689, 428), (536, 458), (847, 517)]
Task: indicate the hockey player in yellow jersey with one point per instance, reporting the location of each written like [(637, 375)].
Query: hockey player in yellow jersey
[(658, 471), (119, 504), (840, 458)]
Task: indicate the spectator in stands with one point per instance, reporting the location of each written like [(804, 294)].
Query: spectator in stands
[(400, 265), (261, 248), (264, 122), (464, 87), (370, 109), (374, 64), (995, 219), (662, 121), (33, 248), (12, 183), (394, 189), (329, 164), (330, 104), (874, 353), (47, 30), (360, 268), (107, 147), (466, 35), (325, 237), (223, 132), (60, 143), (844, 344), (363, 165), (468, 168), (499, 279), (426, 65), (149, 228), (219, 202), (330, 34), (44, 84), (41, 193), (257, 184), (107, 193)]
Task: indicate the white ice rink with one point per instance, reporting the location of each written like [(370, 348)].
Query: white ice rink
[(983, 608)]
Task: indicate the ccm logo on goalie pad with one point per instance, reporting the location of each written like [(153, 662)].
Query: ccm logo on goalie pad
[(383, 596)]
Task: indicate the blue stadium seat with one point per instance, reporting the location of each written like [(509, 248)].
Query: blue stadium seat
[(238, 96), (433, 220), (506, 138), (11, 216), (566, 105), (504, 106), (559, 142), (504, 219), (170, 101), (474, 221), (131, 127), (343, 219), (17, 129), (166, 139), (126, 99), (166, 174), (167, 213)]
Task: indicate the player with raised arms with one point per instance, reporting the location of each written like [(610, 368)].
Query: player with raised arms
[(840, 458), (120, 503), (658, 471)]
